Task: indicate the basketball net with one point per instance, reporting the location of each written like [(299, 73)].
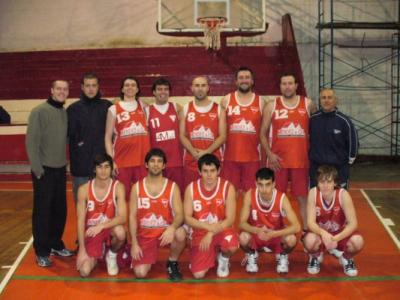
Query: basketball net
[(212, 31)]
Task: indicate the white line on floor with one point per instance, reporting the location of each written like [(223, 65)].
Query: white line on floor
[(394, 238), (23, 243), (6, 267), (15, 265), (375, 189)]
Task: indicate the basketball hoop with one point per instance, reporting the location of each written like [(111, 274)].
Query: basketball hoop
[(212, 31)]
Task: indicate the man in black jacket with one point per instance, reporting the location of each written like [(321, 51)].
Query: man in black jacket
[(333, 139), (86, 128)]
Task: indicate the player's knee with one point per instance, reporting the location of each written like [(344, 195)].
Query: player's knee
[(84, 271), (200, 275), (244, 239), (311, 241), (356, 243), (290, 241), (180, 235), (141, 272), (229, 251)]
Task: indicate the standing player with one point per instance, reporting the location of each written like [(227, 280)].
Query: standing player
[(285, 120), (127, 121), (155, 218), (164, 130), (202, 128), (210, 211), (101, 211), (242, 147), (332, 223), (262, 221)]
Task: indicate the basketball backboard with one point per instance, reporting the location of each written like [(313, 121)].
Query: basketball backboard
[(181, 16)]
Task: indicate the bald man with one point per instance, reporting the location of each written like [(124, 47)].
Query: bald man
[(202, 128), (333, 139)]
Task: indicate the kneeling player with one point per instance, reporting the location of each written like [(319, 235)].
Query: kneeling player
[(261, 219), (332, 222), (155, 218), (101, 211), (210, 211)]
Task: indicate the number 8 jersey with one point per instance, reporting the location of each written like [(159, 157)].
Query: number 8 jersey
[(288, 135)]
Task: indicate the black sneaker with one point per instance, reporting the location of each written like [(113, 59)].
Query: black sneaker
[(314, 265), (62, 252), (173, 271), (43, 261)]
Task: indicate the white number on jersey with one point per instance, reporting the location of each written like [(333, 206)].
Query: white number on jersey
[(124, 116), (254, 214), (155, 122), (191, 117), (197, 205), (281, 114), (144, 203), (234, 110)]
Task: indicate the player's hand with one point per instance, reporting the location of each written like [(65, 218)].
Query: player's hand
[(265, 234), (328, 240), (167, 236), (136, 252), (196, 154), (274, 161), (81, 258), (215, 228), (115, 169), (200, 153), (94, 230), (206, 242)]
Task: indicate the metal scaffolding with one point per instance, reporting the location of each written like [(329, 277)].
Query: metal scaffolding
[(327, 61)]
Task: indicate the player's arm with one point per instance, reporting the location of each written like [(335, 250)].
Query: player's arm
[(108, 136), (182, 134), (188, 211), (245, 214), (311, 106), (230, 208), (293, 223), (351, 218), (82, 255), (221, 131), (136, 251)]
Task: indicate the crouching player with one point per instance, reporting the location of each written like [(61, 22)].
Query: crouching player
[(209, 208), (155, 218), (261, 219), (101, 211), (332, 223)]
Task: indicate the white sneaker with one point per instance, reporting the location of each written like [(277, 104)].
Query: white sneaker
[(335, 252), (314, 265), (349, 267), (223, 266), (282, 263), (112, 266), (251, 262)]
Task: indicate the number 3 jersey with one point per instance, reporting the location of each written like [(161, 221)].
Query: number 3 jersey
[(154, 213), (209, 209), (288, 135)]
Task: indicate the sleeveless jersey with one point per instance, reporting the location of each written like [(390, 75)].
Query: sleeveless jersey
[(100, 210), (202, 130), (331, 218), (208, 209), (288, 133), (154, 214), (164, 134), (271, 217), (243, 123), (131, 137)]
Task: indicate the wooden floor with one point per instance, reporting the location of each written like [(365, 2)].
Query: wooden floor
[(378, 264)]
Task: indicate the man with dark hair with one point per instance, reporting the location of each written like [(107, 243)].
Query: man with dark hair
[(332, 223), (101, 212), (155, 218), (164, 129), (86, 128), (244, 112), (333, 139), (46, 140), (209, 206), (262, 221), (284, 137)]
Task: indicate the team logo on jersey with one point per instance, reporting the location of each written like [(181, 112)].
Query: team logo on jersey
[(243, 126), (152, 221), (254, 109), (302, 111), (219, 201), (164, 202), (172, 117), (329, 226), (165, 135), (212, 116), (209, 218), (228, 237), (291, 130), (336, 131), (133, 129), (97, 218), (202, 133)]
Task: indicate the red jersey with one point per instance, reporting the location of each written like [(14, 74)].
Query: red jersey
[(100, 210), (202, 129), (271, 217), (243, 123), (209, 209), (164, 133), (332, 217), (288, 135), (154, 213), (131, 137)]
